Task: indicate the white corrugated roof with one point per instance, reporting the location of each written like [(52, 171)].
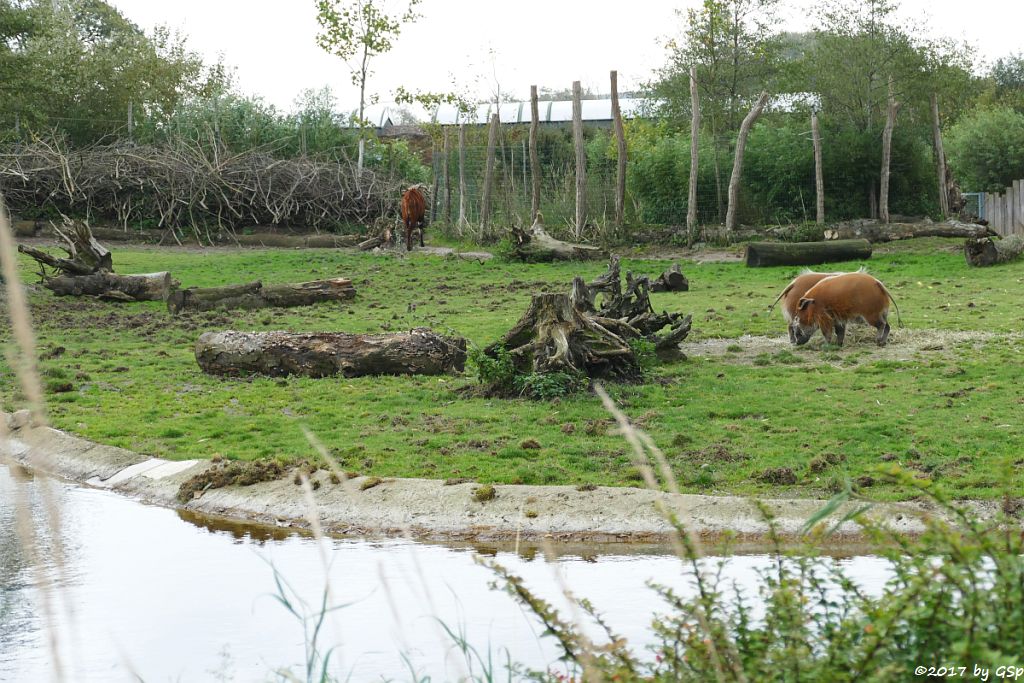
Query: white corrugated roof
[(559, 111)]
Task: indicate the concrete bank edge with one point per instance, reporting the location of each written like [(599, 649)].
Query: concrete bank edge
[(428, 509)]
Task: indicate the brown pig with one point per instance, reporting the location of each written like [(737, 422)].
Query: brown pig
[(838, 300), (795, 291)]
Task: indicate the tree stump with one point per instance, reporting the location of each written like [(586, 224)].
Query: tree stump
[(672, 280), (254, 295), (761, 254), (989, 251), (578, 333), (277, 354)]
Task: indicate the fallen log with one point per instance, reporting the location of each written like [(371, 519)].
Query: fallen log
[(277, 354), (375, 241), (760, 254), (876, 231), (254, 295), (989, 251), (113, 287), (536, 245), (322, 241), (672, 280), (85, 254)]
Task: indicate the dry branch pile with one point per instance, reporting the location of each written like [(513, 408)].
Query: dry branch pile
[(191, 187)]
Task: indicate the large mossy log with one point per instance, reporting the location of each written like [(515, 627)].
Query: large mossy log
[(142, 287), (536, 245), (877, 231), (761, 254), (988, 251), (253, 295), (277, 354)]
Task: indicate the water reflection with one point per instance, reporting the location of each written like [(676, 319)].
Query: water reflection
[(185, 601)]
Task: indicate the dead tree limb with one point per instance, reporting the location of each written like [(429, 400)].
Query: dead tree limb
[(737, 164)]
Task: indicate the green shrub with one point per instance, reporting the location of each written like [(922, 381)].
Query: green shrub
[(986, 149), (546, 386)]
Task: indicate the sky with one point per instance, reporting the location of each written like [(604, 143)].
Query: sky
[(482, 46)]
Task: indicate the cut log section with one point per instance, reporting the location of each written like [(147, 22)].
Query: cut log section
[(875, 231), (672, 280), (321, 241), (113, 287), (277, 354), (255, 295), (761, 254), (989, 251), (536, 244)]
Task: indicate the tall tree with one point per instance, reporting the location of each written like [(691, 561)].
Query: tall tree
[(735, 50), (357, 31)]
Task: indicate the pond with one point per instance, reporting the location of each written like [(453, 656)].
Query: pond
[(151, 593)]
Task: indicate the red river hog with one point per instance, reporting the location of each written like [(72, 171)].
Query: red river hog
[(795, 291), (838, 300)]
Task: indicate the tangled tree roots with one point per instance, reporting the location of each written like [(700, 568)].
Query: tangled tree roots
[(574, 333)]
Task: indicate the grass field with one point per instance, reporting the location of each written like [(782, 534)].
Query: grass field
[(745, 415)]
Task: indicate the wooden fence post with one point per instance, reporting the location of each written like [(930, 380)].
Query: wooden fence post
[(447, 173), (1019, 198), (1009, 202), (534, 159), (691, 201), (581, 161), (890, 123), (462, 178), (485, 208), (737, 164), (819, 179), (620, 136), (940, 159)]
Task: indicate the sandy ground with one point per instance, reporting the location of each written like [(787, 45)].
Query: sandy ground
[(428, 509), (904, 344)]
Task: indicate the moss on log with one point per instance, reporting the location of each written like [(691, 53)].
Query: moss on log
[(761, 254)]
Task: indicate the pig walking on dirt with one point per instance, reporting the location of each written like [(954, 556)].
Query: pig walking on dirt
[(795, 291), (838, 300)]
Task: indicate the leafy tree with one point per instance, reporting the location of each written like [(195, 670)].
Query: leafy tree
[(986, 149), (357, 31), (736, 52)]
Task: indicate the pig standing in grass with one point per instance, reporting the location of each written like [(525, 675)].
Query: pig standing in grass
[(839, 300)]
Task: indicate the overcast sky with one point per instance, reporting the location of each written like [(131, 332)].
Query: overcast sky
[(479, 45)]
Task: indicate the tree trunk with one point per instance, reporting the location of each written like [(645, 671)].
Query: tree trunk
[(581, 161), (371, 243), (485, 209), (940, 158), (255, 295), (890, 123), (85, 254), (737, 165), (691, 204), (277, 354), (874, 231), (536, 245), (988, 251), (534, 158), (806, 253), (462, 178), (672, 280), (620, 137), (142, 287), (819, 181)]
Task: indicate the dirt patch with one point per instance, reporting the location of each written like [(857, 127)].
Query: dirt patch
[(860, 347)]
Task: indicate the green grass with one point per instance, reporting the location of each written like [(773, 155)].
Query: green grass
[(951, 414)]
